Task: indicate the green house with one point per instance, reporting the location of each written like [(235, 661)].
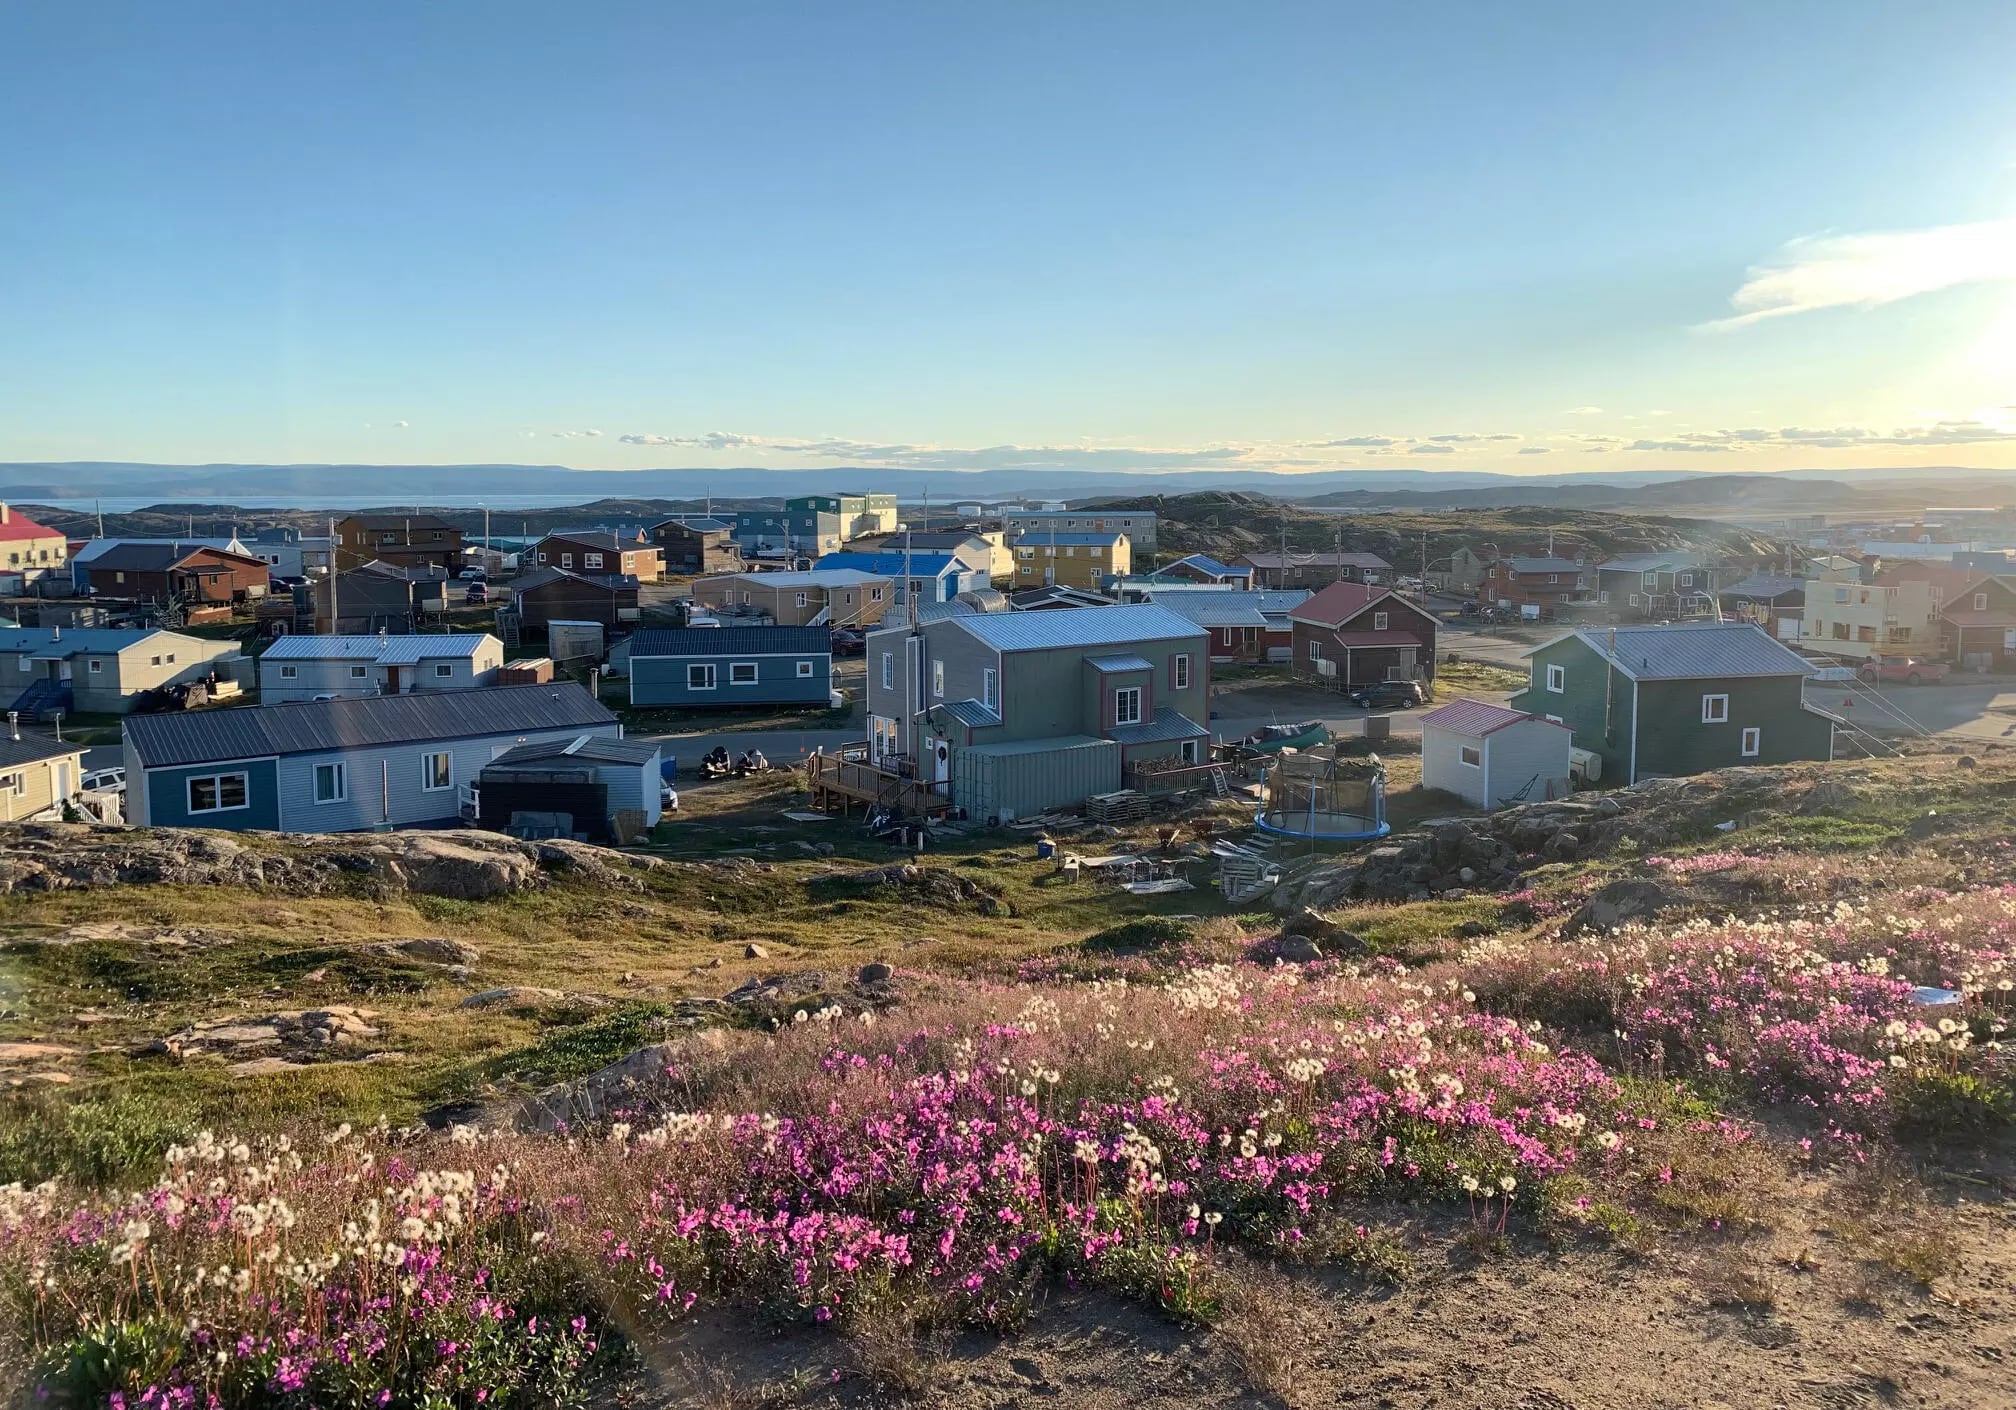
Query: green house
[(1670, 700)]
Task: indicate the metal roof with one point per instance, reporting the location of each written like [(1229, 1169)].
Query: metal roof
[(1210, 607), (1648, 562), (57, 643), (155, 556), (1317, 560), (1082, 626), (731, 641), (1114, 665), (592, 748), (1544, 565), (364, 722), (1168, 724), (970, 712), (33, 748), (1764, 586), (1209, 565), (816, 578), (1035, 538), (1477, 718), (386, 650), (892, 563), (1063, 743), (1691, 651)]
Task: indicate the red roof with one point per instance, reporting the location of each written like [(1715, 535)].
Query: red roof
[(1477, 717), (1337, 603), (20, 526), (1392, 636), (2001, 609)]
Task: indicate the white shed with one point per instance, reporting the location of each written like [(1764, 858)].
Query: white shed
[(1493, 756)]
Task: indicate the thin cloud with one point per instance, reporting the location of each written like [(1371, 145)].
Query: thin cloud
[(575, 435), (1867, 271), (1431, 448), (1347, 442), (401, 425), (1473, 439), (1583, 411), (1534, 450)]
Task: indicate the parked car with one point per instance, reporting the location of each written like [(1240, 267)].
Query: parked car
[(850, 641), (1912, 670), (104, 781), (474, 575), (478, 593), (1388, 695)]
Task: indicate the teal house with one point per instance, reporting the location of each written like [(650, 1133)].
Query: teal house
[(1661, 701)]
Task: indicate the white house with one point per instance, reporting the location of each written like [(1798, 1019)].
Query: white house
[(306, 667), (1492, 756)]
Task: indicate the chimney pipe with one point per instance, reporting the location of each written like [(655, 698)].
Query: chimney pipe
[(14, 724)]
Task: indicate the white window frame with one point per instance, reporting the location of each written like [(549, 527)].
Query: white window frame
[(216, 781), (1379, 620), (803, 599), (427, 772), (97, 667), (358, 673), (1470, 756), (340, 772), (804, 670), (701, 675), (937, 680), (288, 673), (1180, 675), (1650, 580), (1557, 679), (1686, 580), (444, 670), (874, 594), (591, 560), (987, 678), (1980, 602), (736, 676), (1753, 741), (1315, 649), (888, 670), (1130, 697), (1603, 596), (1714, 709)]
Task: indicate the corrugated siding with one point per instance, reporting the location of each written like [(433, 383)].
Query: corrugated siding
[(397, 781), (1442, 764), (1018, 783), (661, 680), (1528, 757), (632, 786)]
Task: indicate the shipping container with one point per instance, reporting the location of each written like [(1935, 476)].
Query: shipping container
[(1002, 782)]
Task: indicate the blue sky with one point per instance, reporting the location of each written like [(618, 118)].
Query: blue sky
[(1560, 237)]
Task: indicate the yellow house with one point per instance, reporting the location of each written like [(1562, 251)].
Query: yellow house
[(1070, 560), (33, 550), (37, 774)]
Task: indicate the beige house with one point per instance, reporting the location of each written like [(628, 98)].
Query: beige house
[(1870, 619), (1070, 560), (37, 774), (33, 550), (836, 597), (100, 671)]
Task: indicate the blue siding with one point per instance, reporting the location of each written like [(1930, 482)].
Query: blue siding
[(662, 680), (387, 780), (168, 796)]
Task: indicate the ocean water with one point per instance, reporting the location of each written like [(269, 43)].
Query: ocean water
[(497, 503)]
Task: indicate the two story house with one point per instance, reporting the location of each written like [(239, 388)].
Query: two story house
[(1278, 571), (1352, 635), (859, 515), (692, 547), (1080, 560), (1244, 626), (1660, 701), (1139, 526), (600, 554), (304, 667), (831, 597), (1648, 586), (1007, 714), (403, 540), (1980, 624), (1540, 583), (1861, 620), (924, 577)]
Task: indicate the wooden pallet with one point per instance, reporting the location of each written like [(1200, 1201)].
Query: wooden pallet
[(1124, 806)]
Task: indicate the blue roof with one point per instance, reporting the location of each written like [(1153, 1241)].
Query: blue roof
[(1168, 724), (1081, 626), (920, 565), (970, 712), (392, 650), (1211, 607), (70, 641), (1210, 565), (362, 722), (732, 641), (1115, 665)]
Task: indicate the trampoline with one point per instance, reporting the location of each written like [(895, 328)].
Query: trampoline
[(1315, 794)]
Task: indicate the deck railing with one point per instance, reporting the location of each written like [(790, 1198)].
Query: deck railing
[(851, 780)]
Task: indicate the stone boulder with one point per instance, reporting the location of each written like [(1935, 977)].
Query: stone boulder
[(1622, 903), (434, 949), (511, 996)]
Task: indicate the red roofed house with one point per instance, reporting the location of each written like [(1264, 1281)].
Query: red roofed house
[(1492, 756), (1979, 624), (33, 550), (1353, 634)]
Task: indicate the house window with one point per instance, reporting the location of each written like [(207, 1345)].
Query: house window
[(357, 673), (1651, 580), (1179, 670), (169, 658), (97, 667), (1379, 621), (1471, 755), (987, 687), (1557, 679), (888, 670), (804, 670), (1840, 594), (1686, 580), (802, 599), (1553, 577), (288, 673), (152, 661), (332, 783), (1127, 705), (700, 676), (1714, 709), (1315, 651), (741, 673), (566, 560), (874, 594), (218, 793), (591, 560), (1753, 741), (1980, 602), (1604, 596), (16, 784), (1634, 599), (938, 679), (443, 670), (437, 771)]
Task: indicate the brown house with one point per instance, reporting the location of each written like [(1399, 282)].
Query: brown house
[(599, 554), (376, 597), (1354, 635), (837, 597), (692, 547), (403, 540), (555, 595), (1542, 582), (156, 572), (1979, 624), (1312, 570)]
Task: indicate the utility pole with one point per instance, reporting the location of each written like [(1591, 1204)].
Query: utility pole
[(334, 569)]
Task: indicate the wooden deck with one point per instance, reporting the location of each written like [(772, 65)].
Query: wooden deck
[(846, 780)]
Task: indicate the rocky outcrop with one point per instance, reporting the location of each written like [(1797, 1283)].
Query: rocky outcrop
[(1621, 903), (462, 865), (301, 1031), (941, 888)]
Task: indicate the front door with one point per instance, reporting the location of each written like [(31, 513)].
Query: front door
[(62, 780), (941, 765)]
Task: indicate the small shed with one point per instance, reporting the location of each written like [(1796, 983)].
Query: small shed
[(1493, 756), (609, 787), (527, 670), (1024, 777)]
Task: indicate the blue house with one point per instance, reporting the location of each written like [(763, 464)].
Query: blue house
[(341, 765), (932, 577), (729, 666)]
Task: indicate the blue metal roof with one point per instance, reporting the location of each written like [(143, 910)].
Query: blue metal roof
[(1115, 665), (732, 641), (589, 748), (970, 712), (58, 642), (371, 721), (893, 564), (1168, 724), (388, 650), (1212, 607), (1704, 651), (1210, 565), (1079, 626)]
